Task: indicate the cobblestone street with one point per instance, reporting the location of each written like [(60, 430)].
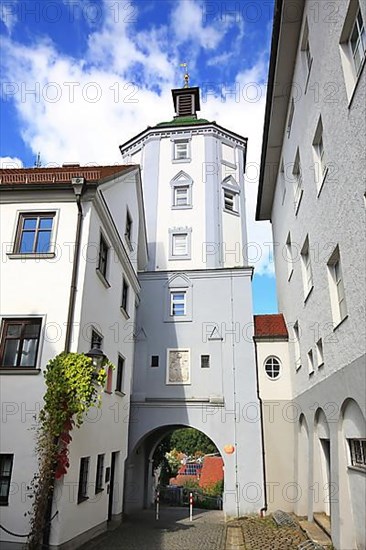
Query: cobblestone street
[(208, 531), (173, 531)]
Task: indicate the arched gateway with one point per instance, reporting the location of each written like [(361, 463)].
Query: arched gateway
[(194, 356)]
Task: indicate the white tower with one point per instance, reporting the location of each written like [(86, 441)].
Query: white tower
[(194, 362)]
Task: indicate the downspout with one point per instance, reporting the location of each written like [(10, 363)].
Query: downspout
[(77, 184), (78, 190), (265, 507)]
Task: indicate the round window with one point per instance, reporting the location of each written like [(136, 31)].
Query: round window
[(272, 367)]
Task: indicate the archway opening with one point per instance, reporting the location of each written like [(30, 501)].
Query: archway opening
[(186, 461)]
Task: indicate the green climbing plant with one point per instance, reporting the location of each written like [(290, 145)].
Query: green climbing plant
[(73, 386)]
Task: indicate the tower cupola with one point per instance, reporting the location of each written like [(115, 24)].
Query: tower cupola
[(186, 102)]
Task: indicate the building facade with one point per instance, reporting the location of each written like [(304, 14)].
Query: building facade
[(41, 210), (194, 360), (312, 190)]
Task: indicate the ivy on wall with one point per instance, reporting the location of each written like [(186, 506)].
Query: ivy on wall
[(73, 386)]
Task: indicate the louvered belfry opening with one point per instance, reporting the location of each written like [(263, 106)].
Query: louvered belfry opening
[(186, 102), (185, 105)]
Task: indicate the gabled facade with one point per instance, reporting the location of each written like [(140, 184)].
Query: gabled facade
[(312, 190), (42, 295)]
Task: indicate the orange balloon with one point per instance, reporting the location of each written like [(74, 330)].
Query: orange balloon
[(229, 449)]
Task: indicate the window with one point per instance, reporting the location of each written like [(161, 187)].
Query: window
[(357, 42), (336, 287), (34, 233), (20, 342), (283, 181), (177, 303), (205, 361), (297, 346), (352, 47), (128, 229), (120, 371), (6, 466), (319, 352), (307, 58), (100, 474), (180, 244), (181, 186), (181, 149), (290, 116), (181, 196), (297, 176), (155, 360), (358, 452), (228, 154), (320, 166), (307, 272), (230, 190), (103, 256), (289, 257), (83, 479), (310, 362), (229, 201), (272, 367), (125, 290)]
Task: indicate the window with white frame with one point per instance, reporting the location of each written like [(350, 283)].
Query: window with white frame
[(297, 178), (357, 449), (306, 53), (181, 186), (310, 362), (296, 330), (178, 306), (231, 192), (282, 180), (319, 353), (181, 149), (336, 287), (289, 257), (272, 367), (353, 46), (307, 272), (83, 479), (180, 244), (290, 116), (320, 167)]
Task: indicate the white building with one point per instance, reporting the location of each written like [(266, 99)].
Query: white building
[(41, 211), (312, 190), (195, 362)]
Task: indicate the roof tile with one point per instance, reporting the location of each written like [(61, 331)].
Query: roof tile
[(270, 326)]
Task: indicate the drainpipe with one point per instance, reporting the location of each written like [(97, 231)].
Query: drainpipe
[(77, 184), (265, 507)]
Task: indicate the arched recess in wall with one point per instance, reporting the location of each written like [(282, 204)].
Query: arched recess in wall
[(302, 471), (352, 474), (322, 483)]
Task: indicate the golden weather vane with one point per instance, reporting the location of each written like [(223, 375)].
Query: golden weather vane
[(186, 75)]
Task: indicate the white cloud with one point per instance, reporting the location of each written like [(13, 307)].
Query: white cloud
[(10, 162), (8, 14), (81, 110)]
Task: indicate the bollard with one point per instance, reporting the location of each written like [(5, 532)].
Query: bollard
[(190, 506), (157, 504)]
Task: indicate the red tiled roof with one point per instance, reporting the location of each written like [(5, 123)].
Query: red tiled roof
[(270, 326), (212, 471), (61, 174)]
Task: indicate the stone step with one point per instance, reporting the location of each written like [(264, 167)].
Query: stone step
[(324, 522), (234, 538), (315, 533)]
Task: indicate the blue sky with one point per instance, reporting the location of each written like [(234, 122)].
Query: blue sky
[(81, 77)]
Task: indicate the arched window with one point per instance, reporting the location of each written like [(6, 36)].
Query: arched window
[(272, 367)]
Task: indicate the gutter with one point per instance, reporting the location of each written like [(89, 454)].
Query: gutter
[(269, 98), (77, 184), (265, 507)]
